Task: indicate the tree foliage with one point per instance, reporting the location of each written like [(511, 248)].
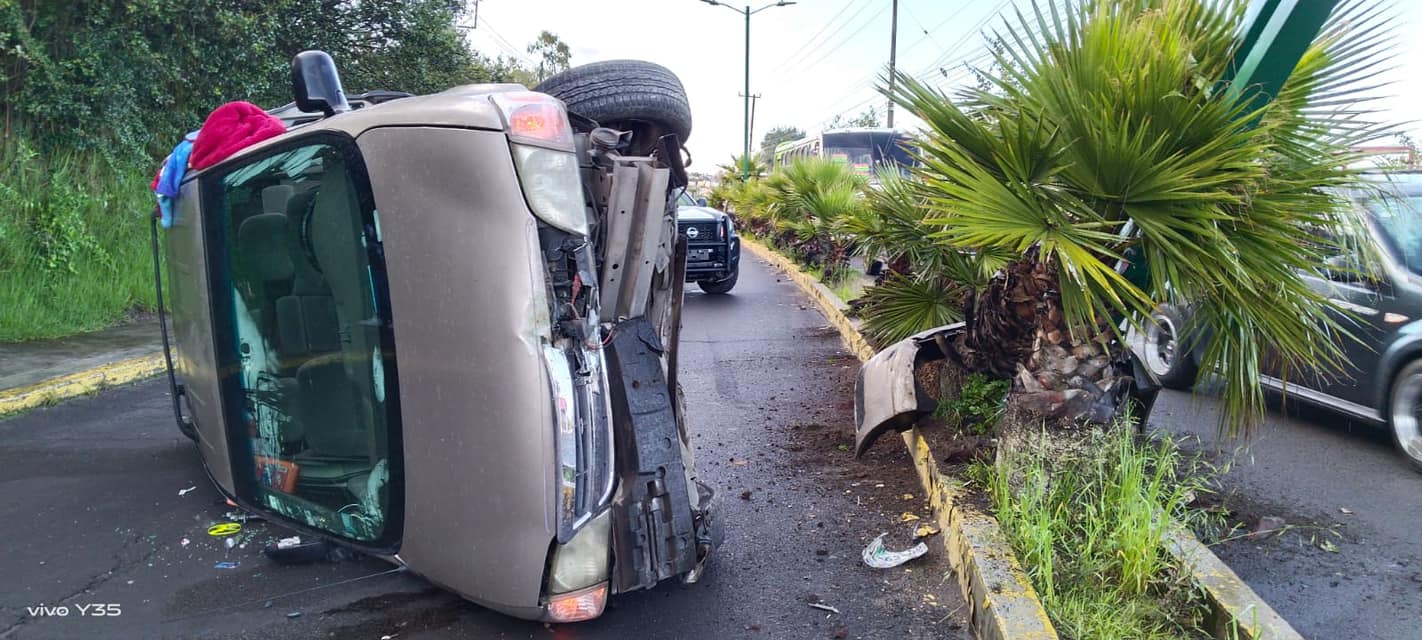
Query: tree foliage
[(551, 53), (125, 77), (869, 118), (774, 137)]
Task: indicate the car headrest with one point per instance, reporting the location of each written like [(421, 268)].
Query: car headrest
[(262, 243)]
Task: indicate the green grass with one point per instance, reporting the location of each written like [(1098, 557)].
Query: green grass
[(1083, 512), (74, 248), (850, 286)]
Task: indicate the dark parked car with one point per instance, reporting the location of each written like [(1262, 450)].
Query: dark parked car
[(713, 252), (1384, 311)]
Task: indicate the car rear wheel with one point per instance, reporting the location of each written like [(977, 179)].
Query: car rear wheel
[(1405, 413), (1165, 356), (720, 286), (630, 95)]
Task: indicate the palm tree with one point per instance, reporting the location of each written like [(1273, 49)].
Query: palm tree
[(1103, 134), (808, 202)]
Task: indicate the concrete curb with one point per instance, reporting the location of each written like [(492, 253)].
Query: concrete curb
[(1238, 612), (77, 384), (1004, 604)]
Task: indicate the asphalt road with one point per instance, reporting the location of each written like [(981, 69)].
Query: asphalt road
[(90, 492), (1348, 564)]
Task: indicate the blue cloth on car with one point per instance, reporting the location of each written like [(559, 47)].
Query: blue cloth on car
[(170, 176)]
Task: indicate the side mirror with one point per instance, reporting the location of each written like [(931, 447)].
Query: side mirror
[(701, 202), (316, 85)]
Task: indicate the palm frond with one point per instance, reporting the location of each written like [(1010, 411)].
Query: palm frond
[(1103, 130)]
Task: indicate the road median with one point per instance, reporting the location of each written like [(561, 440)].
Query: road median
[(1005, 606), (52, 390)]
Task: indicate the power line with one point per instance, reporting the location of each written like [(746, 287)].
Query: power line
[(812, 38), (503, 43), (801, 67), (940, 64), (868, 81)]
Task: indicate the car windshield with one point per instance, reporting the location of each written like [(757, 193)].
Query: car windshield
[(685, 200), (1399, 218)]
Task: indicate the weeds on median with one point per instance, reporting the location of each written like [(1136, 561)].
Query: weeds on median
[(1084, 514)]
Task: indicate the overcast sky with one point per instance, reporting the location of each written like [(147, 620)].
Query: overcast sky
[(809, 61)]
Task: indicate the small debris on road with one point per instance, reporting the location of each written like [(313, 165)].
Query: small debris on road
[(1346, 511), (908, 496), (293, 615), (225, 565), (823, 607), (1327, 545), (224, 529), (746, 495), (1267, 525), (183, 492), (184, 542), (926, 529), (908, 517), (237, 516), (878, 557)]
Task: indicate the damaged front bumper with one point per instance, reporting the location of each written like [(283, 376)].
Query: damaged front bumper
[(887, 395)]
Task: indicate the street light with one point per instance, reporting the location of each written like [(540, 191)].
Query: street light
[(747, 12)]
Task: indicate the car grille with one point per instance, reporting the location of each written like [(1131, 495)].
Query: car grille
[(705, 231)]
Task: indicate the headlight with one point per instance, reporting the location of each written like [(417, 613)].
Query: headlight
[(552, 186), (583, 561)]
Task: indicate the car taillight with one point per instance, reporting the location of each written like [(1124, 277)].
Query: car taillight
[(535, 118)]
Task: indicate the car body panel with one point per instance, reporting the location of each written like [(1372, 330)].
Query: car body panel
[(192, 323), (470, 371)]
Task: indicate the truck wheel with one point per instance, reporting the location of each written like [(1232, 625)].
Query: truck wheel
[(630, 95), (720, 286), (1166, 354), (1404, 414)]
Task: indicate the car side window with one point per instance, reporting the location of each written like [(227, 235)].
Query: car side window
[(308, 335)]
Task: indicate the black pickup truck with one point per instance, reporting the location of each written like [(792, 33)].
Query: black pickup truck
[(713, 259)]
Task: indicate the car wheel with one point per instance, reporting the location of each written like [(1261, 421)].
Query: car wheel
[(1165, 354), (720, 286), (1405, 413), (630, 95)]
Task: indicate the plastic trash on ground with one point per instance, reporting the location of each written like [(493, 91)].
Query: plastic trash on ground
[(875, 555)]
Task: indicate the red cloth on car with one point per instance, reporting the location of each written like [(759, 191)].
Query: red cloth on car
[(230, 128)]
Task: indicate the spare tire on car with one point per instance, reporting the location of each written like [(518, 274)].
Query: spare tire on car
[(630, 95)]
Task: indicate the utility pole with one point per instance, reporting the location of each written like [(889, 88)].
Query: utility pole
[(750, 130), (893, 55), (747, 12)]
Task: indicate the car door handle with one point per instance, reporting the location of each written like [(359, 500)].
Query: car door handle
[(1354, 307)]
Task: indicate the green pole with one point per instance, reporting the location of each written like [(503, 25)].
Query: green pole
[(745, 121)]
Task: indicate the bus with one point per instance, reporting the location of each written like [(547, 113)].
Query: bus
[(865, 150)]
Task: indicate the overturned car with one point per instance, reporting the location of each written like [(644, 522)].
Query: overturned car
[(442, 330)]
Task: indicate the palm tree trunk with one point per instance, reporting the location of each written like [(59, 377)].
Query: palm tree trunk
[(1015, 330)]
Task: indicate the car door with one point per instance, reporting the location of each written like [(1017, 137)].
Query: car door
[(1362, 302)]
